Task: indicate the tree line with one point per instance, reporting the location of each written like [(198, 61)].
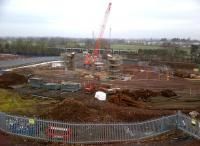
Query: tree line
[(36, 46), (45, 46)]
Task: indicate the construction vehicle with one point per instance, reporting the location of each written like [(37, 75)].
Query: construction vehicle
[(92, 87), (89, 88), (91, 59)]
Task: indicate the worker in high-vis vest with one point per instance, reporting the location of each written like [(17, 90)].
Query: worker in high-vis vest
[(194, 122), (31, 121), (193, 116)]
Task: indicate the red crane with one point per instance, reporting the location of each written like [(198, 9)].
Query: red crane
[(88, 58)]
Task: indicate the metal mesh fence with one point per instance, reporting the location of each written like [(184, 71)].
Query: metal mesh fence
[(185, 124), (90, 132)]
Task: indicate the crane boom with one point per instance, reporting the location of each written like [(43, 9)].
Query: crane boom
[(95, 52), (98, 40)]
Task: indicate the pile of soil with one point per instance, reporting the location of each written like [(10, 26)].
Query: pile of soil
[(168, 93), (91, 110), (131, 98), (138, 97), (124, 100), (71, 110), (143, 94), (11, 78), (176, 65), (182, 74)]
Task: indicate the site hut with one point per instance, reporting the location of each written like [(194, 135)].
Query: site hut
[(52, 86), (70, 86), (36, 82)]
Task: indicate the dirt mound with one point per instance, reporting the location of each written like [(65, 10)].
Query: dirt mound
[(137, 98), (9, 79), (142, 94), (168, 93), (92, 110), (176, 65), (71, 108), (131, 98), (182, 74), (124, 100)]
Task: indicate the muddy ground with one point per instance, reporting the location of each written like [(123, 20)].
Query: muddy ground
[(10, 79), (4, 56), (173, 138), (81, 107)]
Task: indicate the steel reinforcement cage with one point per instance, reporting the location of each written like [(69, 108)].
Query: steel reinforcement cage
[(86, 133)]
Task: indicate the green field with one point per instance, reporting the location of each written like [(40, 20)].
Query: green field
[(15, 103), (134, 47)]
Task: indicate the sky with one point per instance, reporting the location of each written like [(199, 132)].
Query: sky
[(80, 18)]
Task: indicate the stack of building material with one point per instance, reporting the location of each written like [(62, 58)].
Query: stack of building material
[(168, 93), (36, 82), (65, 86), (70, 86), (52, 86)]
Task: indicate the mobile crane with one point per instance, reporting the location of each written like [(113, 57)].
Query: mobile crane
[(92, 58)]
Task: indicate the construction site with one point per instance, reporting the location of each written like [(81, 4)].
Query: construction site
[(100, 87)]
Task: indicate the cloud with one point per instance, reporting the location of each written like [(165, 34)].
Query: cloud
[(75, 17)]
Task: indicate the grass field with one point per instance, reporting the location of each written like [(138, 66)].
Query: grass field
[(14, 103), (134, 46)]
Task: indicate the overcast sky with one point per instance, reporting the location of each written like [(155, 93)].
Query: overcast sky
[(79, 18)]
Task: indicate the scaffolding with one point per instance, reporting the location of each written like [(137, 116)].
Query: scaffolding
[(114, 64), (69, 60)]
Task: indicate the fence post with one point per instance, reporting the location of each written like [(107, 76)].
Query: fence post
[(3, 121), (178, 119)]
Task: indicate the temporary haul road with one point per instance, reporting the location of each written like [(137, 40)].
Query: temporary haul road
[(25, 62)]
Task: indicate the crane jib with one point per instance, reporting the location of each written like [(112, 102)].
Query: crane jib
[(95, 52)]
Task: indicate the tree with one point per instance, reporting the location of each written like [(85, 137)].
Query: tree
[(194, 49)]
